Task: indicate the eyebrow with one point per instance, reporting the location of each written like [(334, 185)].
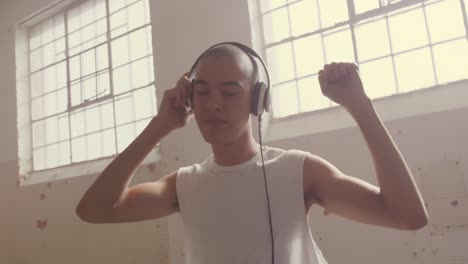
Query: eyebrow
[(226, 83)]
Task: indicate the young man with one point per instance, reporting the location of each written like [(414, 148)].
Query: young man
[(222, 201)]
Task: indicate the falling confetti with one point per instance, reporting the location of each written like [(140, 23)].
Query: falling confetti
[(41, 224)]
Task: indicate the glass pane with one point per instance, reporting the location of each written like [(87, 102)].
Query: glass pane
[(118, 22), (74, 41), (102, 57), (64, 153), (124, 109), (304, 17), (50, 103), (138, 44), (103, 84), (35, 60), (140, 73), (37, 108), (108, 142), (63, 127), (107, 115), (35, 37), (48, 54), (372, 40), (78, 149), (73, 19), (311, 95), (125, 136), (121, 79), (88, 61), (47, 31), (378, 78), (276, 26), (62, 100), (75, 68), (309, 55), (75, 94), (100, 8), (143, 103), (39, 159), (59, 26), (280, 63), (50, 79), (101, 29), (443, 26), (93, 120), (89, 89), (51, 128), (61, 75), (451, 61), (361, 6), (120, 50), (87, 12), (94, 147), (137, 15), (59, 49), (88, 33), (271, 4), (37, 84), (52, 156), (284, 99), (38, 134), (77, 124), (408, 30), (116, 4), (339, 47), (333, 11), (414, 70)]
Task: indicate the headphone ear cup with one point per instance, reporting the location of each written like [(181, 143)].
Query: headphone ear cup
[(189, 102), (260, 100), (254, 101)]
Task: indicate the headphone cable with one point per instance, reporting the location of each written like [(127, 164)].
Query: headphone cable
[(266, 189)]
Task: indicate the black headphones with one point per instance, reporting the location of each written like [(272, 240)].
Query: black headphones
[(261, 90)]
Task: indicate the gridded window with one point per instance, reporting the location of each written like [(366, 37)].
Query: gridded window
[(91, 81), (400, 46)]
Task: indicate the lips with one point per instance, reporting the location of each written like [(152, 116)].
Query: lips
[(215, 121)]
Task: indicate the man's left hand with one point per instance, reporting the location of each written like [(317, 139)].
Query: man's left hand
[(342, 84)]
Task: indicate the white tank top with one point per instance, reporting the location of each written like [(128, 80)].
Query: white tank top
[(225, 214)]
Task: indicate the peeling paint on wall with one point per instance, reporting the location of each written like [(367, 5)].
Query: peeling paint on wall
[(41, 224)]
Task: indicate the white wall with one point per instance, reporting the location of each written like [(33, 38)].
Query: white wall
[(434, 146)]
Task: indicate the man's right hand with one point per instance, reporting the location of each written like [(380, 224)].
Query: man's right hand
[(173, 113)]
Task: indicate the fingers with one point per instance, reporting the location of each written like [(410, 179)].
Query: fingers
[(183, 89), (336, 71)]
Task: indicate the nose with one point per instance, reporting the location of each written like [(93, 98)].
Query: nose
[(215, 102)]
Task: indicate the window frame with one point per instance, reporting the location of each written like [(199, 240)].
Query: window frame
[(27, 175), (279, 128)]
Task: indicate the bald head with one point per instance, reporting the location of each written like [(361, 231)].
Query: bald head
[(244, 62)]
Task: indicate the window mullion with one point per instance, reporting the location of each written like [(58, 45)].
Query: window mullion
[(111, 69), (69, 106)]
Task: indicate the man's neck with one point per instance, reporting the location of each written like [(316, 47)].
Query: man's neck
[(236, 152)]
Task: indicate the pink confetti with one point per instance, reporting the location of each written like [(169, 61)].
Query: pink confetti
[(41, 224)]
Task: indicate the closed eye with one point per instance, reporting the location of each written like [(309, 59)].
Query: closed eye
[(202, 92), (229, 94)]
